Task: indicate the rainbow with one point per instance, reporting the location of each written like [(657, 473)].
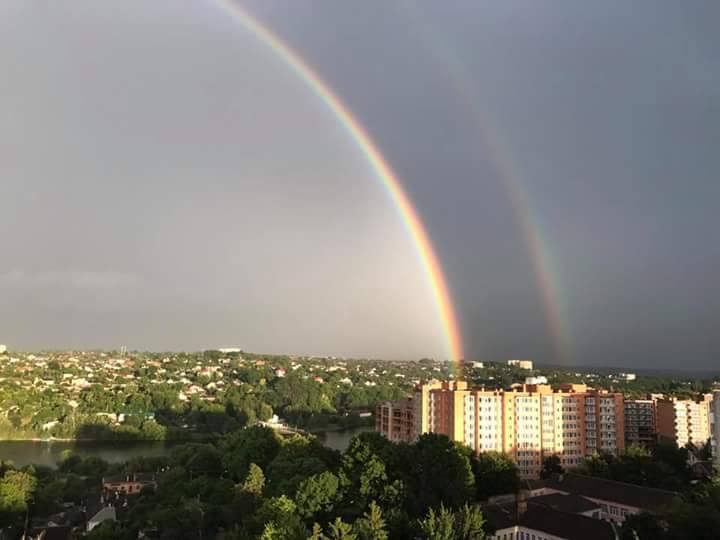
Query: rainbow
[(391, 183), (547, 276)]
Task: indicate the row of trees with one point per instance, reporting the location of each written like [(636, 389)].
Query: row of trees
[(252, 484)]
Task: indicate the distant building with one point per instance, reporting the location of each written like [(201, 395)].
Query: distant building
[(640, 422), (536, 380), (684, 421), (477, 365), (228, 350), (628, 376), (129, 484), (3, 349), (522, 364)]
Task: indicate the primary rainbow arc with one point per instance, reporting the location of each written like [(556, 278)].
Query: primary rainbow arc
[(382, 169)]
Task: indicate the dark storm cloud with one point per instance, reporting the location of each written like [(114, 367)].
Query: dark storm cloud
[(609, 114)]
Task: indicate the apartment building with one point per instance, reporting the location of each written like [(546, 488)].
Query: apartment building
[(715, 427), (396, 420), (640, 422), (529, 423), (684, 421)]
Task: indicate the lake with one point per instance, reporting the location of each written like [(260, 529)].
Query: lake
[(49, 453)]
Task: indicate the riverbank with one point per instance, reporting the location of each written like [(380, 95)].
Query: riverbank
[(50, 452)]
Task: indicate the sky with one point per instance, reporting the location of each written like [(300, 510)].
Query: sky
[(168, 183)]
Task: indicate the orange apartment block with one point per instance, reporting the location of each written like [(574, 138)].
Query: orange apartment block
[(529, 423)]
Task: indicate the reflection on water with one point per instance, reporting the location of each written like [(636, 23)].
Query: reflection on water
[(339, 440), (49, 453)]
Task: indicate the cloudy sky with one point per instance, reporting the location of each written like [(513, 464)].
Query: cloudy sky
[(167, 183)]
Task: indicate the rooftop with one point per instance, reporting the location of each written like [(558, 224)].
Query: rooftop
[(548, 520), (610, 490), (574, 504)]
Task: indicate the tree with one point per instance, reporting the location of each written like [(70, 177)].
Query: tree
[(254, 481), (298, 459), (372, 525), (278, 518), (16, 491), (362, 476), (438, 525), (495, 474), (551, 467), (339, 530), (441, 473), (255, 444), (469, 523), (317, 533), (317, 495)]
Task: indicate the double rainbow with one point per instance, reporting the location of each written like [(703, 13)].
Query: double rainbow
[(408, 213)]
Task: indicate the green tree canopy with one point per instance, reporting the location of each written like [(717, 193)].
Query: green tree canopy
[(495, 474)]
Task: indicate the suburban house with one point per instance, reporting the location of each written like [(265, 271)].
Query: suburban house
[(129, 484)]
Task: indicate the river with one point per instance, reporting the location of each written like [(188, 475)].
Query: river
[(49, 453)]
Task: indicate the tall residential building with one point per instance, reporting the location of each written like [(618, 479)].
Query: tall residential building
[(640, 422), (528, 423), (684, 421)]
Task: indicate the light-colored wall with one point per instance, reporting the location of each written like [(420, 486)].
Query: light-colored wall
[(513, 532)]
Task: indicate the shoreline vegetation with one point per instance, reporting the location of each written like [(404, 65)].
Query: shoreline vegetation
[(190, 438)]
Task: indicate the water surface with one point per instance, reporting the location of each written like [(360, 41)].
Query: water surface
[(50, 453)]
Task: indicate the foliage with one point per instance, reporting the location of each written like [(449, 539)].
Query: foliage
[(16, 491), (466, 524), (469, 523), (495, 474), (663, 466), (551, 467), (339, 530), (317, 495), (371, 526), (255, 444), (438, 525), (254, 481)]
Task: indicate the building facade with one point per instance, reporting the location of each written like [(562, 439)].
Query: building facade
[(396, 420), (715, 427), (528, 423), (684, 421), (640, 422)]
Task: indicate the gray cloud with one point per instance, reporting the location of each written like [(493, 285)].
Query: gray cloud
[(163, 141)]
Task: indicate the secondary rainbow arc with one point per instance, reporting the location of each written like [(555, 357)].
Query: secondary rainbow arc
[(410, 217)]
